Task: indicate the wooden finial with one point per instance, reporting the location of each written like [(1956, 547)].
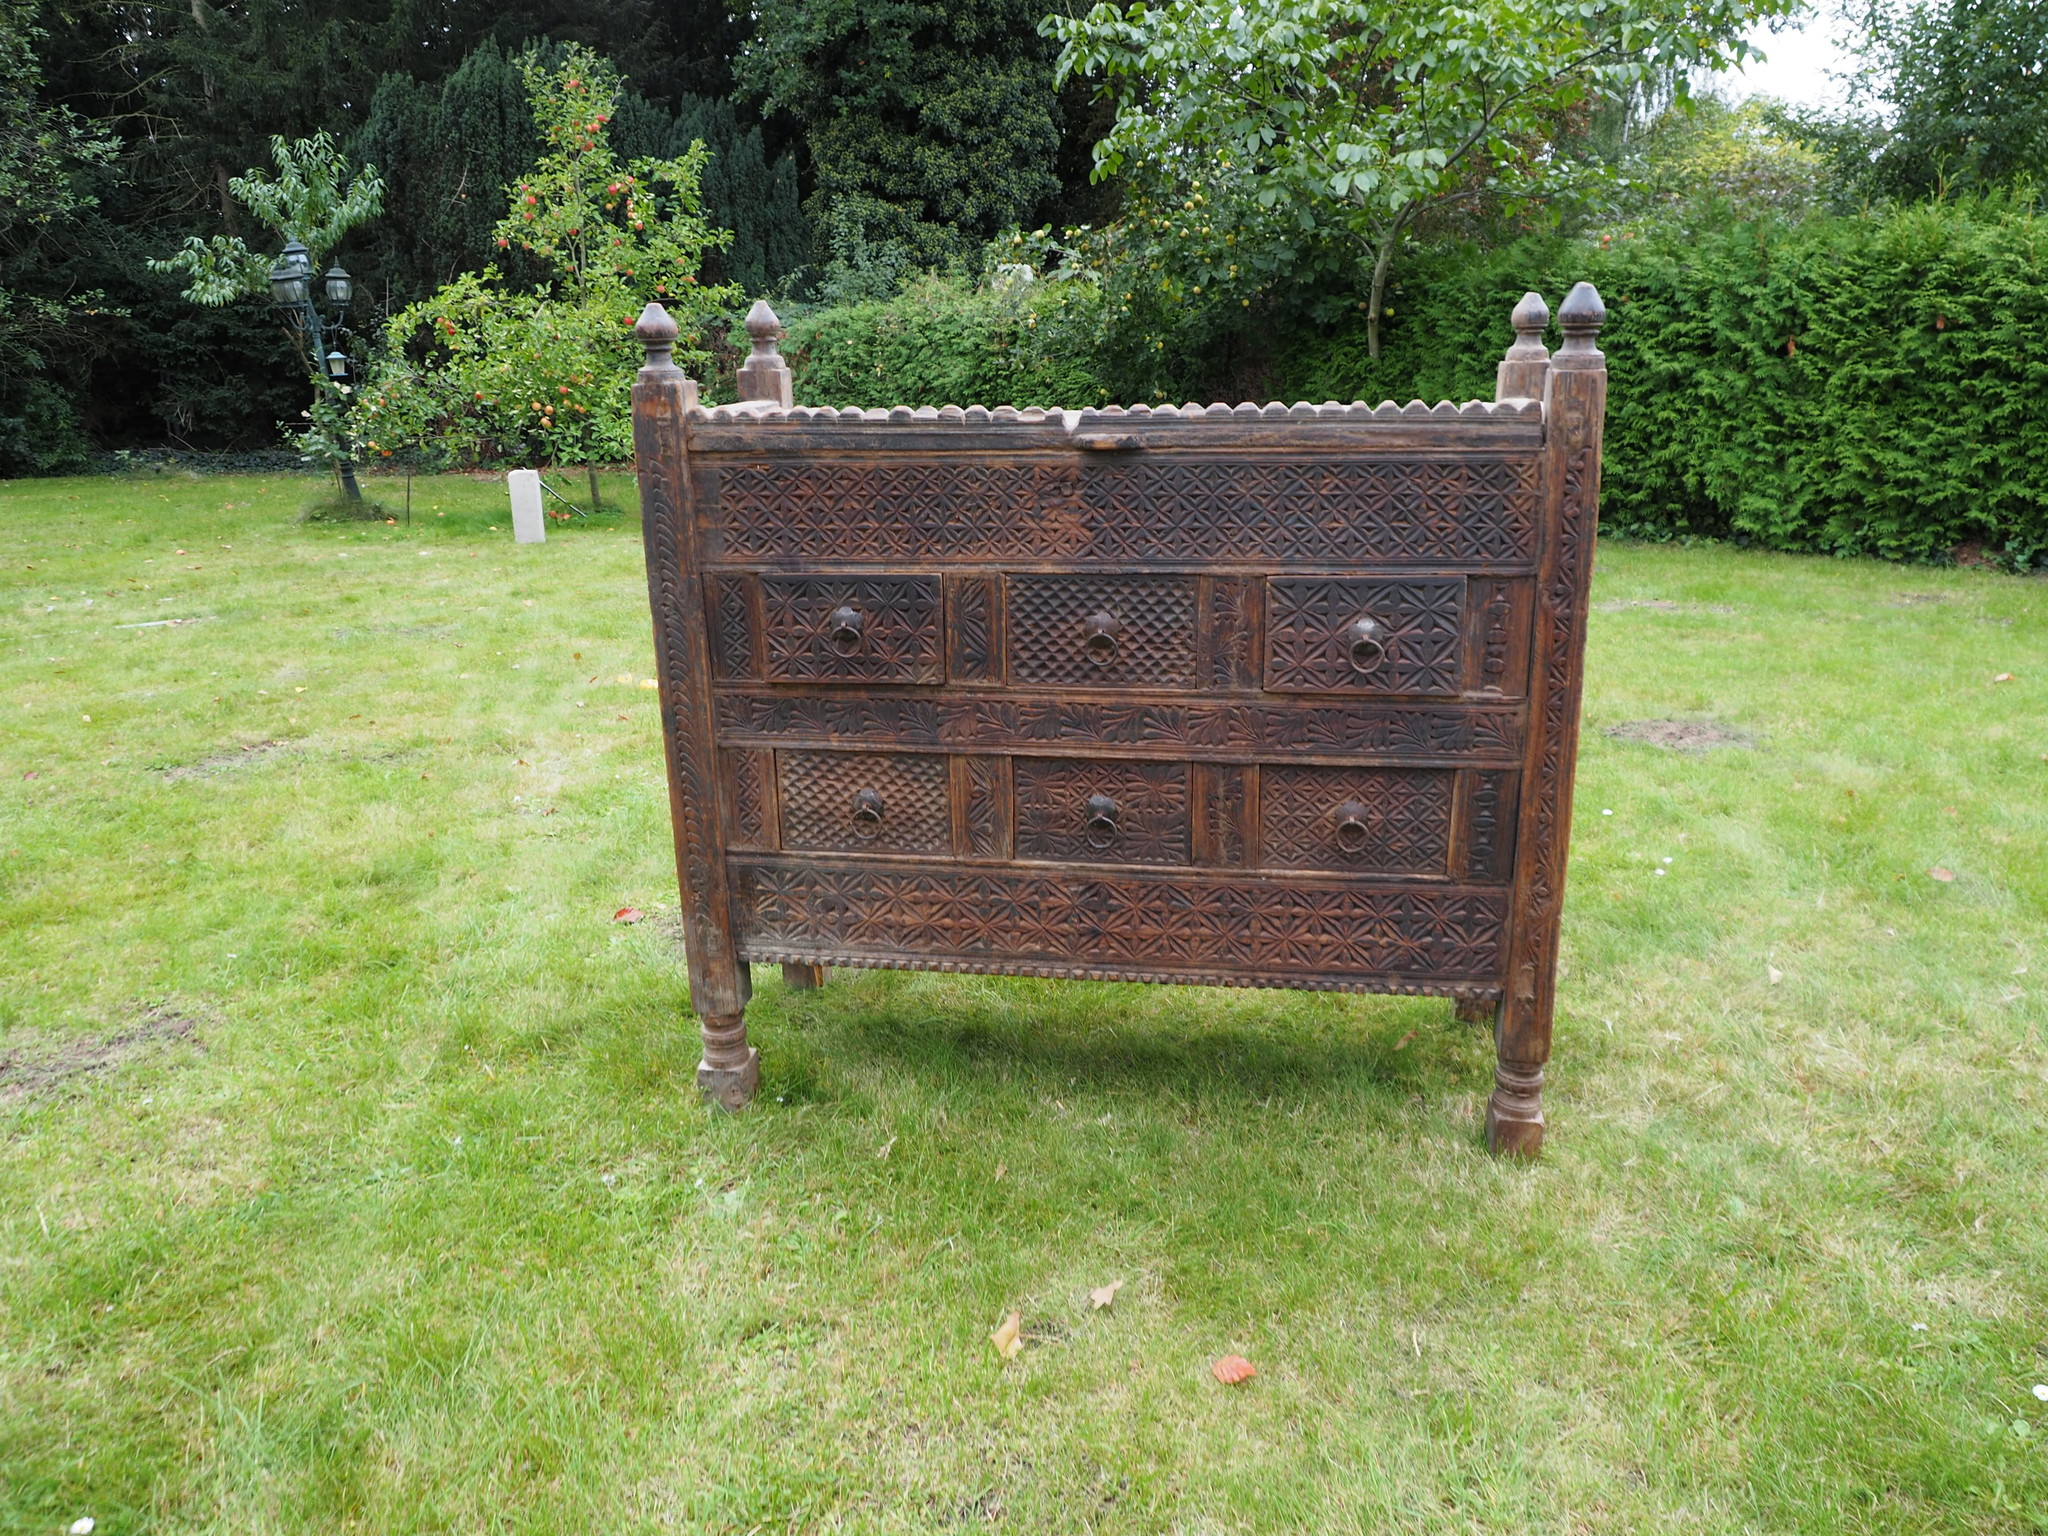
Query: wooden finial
[(657, 333), (1520, 374), (765, 374), (1581, 318)]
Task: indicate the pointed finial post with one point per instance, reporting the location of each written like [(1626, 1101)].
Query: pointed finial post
[(1520, 374), (1580, 318), (765, 374), (657, 333)]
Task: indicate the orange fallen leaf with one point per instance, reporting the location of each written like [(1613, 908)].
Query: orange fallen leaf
[(1232, 1369), (1405, 1041), (628, 915), (1009, 1338), (1943, 875), (2006, 677), (1105, 1295)]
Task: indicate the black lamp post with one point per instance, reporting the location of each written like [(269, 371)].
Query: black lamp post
[(292, 290)]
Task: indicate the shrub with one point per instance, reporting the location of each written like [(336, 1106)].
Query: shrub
[(944, 341)]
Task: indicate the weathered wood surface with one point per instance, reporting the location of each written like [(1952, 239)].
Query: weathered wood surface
[(1255, 696)]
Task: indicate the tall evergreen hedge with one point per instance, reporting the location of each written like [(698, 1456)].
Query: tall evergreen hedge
[(1866, 385)]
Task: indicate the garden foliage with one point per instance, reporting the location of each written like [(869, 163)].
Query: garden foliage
[(485, 369), (1872, 384)]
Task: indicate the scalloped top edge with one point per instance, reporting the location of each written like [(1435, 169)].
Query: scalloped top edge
[(981, 415)]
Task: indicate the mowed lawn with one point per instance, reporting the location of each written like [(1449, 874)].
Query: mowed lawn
[(352, 1177)]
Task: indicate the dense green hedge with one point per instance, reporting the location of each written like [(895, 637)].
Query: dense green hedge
[(1871, 385)]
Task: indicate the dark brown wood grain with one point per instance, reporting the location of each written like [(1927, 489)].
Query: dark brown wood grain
[(1231, 695)]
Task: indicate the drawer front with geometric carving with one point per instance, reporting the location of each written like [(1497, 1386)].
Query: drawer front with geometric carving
[(1365, 635), (852, 629), (1362, 820), (864, 802), (1102, 631), (1102, 812)]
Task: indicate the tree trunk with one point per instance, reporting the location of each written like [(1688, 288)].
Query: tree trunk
[(1381, 262), (596, 504)]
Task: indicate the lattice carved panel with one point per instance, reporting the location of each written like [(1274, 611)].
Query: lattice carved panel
[(835, 629), (1372, 820), (1163, 506), (1313, 640), (1134, 925), (1148, 643), (1102, 812), (864, 802)]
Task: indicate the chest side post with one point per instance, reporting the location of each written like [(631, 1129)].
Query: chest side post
[(663, 399), (1574, 409)]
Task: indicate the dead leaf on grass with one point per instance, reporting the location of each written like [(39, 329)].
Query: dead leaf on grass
[(1104, 1295), (628, 915), (2006, 677), (1774, 973), (1009, 1338), (1232, 1369), (1405, 1041), (887, 1147), (1943, 875)]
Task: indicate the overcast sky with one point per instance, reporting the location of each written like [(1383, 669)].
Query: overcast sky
[(1797, 69)]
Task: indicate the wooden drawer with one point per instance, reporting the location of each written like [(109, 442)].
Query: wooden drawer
[(1343, 634), (1102, 631), (864, 802), (1357, 820), (1102, 812), (852, 629)]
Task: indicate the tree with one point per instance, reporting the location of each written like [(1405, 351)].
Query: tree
[(1350, 119), (931, 127), (48, 158), (492, 370), (1967, 82)]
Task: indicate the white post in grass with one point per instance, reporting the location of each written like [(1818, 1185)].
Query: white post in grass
[(528, 526)]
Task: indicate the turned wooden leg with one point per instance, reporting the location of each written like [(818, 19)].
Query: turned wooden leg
[(803, 978), (1477, 1010), (731, 1068), (1514, 1114)]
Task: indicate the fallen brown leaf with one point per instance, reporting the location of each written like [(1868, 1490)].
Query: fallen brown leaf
[(1943, 875), (1009, 1338), (1001, 1169), (1405, 1041), (628, 915), (1105, 1295), (1232, 1369), (2006, 677)]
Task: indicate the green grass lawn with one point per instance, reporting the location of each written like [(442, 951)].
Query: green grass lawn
[(352, 1176)]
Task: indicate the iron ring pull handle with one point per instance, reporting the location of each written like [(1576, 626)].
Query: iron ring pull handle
[(1366, 644), (1354, 827), (842, 629), (1101, 828), (867, 813), (1099, 639)]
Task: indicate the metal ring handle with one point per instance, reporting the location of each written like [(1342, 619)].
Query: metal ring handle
[(867, 813), (842, 629), (1354, 830), (1367, 645), (1099, 639), (1101, 828)]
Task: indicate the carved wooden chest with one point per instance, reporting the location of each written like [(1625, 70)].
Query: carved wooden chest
[(1251, 696)]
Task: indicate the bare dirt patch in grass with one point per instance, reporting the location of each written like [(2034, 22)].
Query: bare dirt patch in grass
[(1680, 735), (23, 1075), (223, 762)]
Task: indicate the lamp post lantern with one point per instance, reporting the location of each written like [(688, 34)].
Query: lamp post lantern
[(293, 290)]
